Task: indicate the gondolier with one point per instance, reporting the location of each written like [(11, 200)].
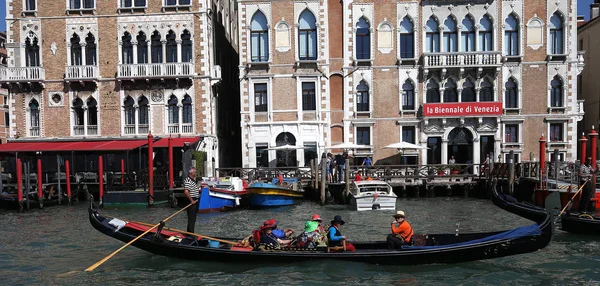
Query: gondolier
[(191, 190), (586, 172)]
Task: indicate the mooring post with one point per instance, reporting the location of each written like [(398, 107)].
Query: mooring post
[(39, 183), (347, 177), (122, 171), (583, 148), (20, 184), (555, 158), (511, 171), (58, 179), (323, 179), (542, 168), (28, 184), (150, 171), (171, 167), (100, 182), (68, 178), (594, 152)]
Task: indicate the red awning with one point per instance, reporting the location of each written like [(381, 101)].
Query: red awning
[(176, 142), (107, 145)]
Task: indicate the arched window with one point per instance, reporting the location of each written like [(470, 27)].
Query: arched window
[(450, 35), (79, 119), (511, 36), (90, 50), (556, 34), (129, 114), (468, 92), (173, 111), (143, 115), (171, 47), (260, 37), (408, 96), (511, 99), (486, 92), (156, 47), (485, 34), (126, 48), (362, 97), (407, 39), (556, 92), (432, 36), (142, 48), (363, 39), (34, 118), (450, 94), (307, 36), (32, 50), (186, 47), (468, 34), (92, 116), (187, 109), (433, 92), (75, 50)]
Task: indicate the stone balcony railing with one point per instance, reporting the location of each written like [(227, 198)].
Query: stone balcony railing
[(81, 73), (164, 70), (462, 59), (22, 74)]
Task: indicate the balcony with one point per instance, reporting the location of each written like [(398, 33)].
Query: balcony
[(580, 61), (80, 130), (462, 60), (22, 74), (34, 131), (160, 71), (141, 129), (81, 73), (185, 128)]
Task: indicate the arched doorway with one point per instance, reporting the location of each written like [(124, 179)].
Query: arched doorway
[(460, 145), (286, 158)]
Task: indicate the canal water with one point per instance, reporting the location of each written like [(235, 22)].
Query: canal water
[(53, 246)]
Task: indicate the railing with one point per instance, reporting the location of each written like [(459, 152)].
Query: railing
[(92, 130), (21, 74), (81, 130), (130, 129), (156, 70), (265, 173), (81, 72), (462, 59), (187, 128), (141, 129), (34, 131), (173, 128)]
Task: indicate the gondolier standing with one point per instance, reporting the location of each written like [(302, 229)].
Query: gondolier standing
[(191, 190), (586, 172)]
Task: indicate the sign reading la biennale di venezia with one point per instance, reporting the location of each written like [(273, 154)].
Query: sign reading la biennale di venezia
[(463, 108)]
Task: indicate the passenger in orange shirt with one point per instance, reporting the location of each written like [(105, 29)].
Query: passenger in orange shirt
[(402, 232)]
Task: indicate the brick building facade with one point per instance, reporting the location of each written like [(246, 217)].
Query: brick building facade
[(319, 72)]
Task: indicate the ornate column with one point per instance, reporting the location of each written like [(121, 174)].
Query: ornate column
[(136, 113), (180, 120), (120, 51), (83, 53), (134, 44), (85, 117), (164, 51), (444, 150)]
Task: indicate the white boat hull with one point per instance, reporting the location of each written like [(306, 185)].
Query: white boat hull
[(371, 202)]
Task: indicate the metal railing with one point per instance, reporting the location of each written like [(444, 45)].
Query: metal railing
[(156, 70), (34, 131)]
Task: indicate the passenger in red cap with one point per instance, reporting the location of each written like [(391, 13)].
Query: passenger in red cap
[(318, 219), (268, 237)]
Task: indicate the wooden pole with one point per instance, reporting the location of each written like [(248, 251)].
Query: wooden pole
[(39, 183), (150, 171), (58, 179), (323, 179), (100, 181), (68, 178), (122, 171), (347, 177), (20, 184), (511, 172)]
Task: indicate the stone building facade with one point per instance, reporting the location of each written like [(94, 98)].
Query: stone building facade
[(463, 78), (4, 107), (120, 68)]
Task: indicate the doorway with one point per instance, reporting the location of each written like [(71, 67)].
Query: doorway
[(460, 145)]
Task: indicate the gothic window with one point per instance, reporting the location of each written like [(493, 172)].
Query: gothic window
[(173, 110), (259, 35), (76, 50), (34, 118), (486, 93), (468, 92), (556, 34), (433, 92), (187, 109), (90, 50), (171, 47), (408, 96), (363, 39), (85, 116), (362, 97), (129, 111), (512, 96), (186, 47), (468, 34), (511, 36), (432, 36), (450, 94), (78, 113), (143, 112), (307, 36), (142, 48), (32, 51), (450, 35), (156, 47), (407, 39), (126, 48), (556, 92), (92, 112), (486, 34)]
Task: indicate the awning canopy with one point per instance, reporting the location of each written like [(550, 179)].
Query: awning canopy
[(41, 146), (176, 142)]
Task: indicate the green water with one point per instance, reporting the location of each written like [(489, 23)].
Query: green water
[(40, 246)]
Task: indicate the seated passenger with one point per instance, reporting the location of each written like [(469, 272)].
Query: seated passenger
[(402, 232), (281, 234), (335, 235), (268, 238), (310, 238), (317, 218)]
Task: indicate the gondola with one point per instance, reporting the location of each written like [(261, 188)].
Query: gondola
[(580, 223), (521, 209), (433, 248)]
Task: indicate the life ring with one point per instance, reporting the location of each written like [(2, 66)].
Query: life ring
[(586, 216)]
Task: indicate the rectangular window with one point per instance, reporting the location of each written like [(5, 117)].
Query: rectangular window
[(81, 4), (307, 39), (468, 41), (363, 135), (177, 2), (6, 118), (308, 96), (363, 44), (310, 152), (407, 50), (511, 133), (512, 43), (450, 42), (408, 99), (556, 132), (30, 5), (433, 42), (485, 39), (362, 101), (580, 45), (408, 134), (507, 158), (262, 155), (133, 3), (260, 97)]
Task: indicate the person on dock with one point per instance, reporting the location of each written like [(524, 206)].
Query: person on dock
[(192, 192), (402, 232), (268, 236), (335, 235), (330, 166), (586, 172), (452, 160)]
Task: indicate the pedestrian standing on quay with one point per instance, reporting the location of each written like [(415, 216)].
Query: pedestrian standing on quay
[(192, 192)]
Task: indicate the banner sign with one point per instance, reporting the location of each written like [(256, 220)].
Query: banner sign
[(463, 109)]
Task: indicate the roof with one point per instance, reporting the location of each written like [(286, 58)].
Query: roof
[(105, 145), (176, 142)]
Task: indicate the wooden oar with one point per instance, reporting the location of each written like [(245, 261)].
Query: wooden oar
[(191, 233), (91, 268), (571, 200)]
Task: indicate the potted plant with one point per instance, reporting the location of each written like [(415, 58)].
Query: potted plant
[(454, 169), (441, 170)]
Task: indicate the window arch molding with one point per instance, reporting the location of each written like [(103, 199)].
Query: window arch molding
[(512, 93), (557, 90), (432, 90), (34, 115), (308, 35), (487, 35), (385, 37), (283, 36), (85, 118)]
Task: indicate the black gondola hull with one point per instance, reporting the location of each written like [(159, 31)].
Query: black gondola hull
[(583, 225)]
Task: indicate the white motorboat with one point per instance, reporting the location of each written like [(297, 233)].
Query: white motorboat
[(372, 195)]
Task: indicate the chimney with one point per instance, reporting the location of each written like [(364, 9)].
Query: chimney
[(580, 19), (595, 9)]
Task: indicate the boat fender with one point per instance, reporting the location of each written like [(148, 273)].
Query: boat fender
[(457, 228)]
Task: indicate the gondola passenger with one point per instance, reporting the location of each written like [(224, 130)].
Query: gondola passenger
[(267, 237), (311, 238), (335, 235), (402, 232)]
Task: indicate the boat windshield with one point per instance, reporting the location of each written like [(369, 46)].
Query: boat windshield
[(226, 187), (373, 189)]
